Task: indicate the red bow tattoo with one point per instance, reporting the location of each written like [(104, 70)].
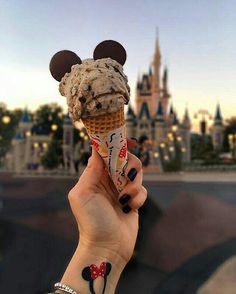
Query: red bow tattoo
[(90, 273), (97, 271)]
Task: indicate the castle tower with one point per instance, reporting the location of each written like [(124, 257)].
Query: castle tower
[(25, 127), (144, 127), (131, 123), (156, 63), (159, 125), (186, 137), (25, 124), (68, 142), (148, 88), (171, 115), (18, 153), (217, 130), (165, 93), (143, 93)]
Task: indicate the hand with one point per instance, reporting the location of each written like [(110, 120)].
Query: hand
[(94, 202)]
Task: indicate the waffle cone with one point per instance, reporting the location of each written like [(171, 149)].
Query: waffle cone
[(108, 135), (104, 123)]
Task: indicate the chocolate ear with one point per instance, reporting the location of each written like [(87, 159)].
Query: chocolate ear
[(112, 49), (62, 62)]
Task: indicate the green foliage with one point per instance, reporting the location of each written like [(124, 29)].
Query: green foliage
[(202, 149), (52, 157), (201, 146), (46, 116), (175, 159), (230, 129), (7, 131)]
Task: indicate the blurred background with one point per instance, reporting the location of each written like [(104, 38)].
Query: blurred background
[(180, 66)]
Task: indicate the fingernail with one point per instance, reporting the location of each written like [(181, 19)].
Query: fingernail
[(132, 174), (124, 199), (126, 209)]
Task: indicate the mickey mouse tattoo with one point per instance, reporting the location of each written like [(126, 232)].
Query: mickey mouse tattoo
[(90, 273)]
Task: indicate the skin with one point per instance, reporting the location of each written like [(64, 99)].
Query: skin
[(106, 232)]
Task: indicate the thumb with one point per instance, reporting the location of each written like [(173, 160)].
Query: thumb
[(95, 162)]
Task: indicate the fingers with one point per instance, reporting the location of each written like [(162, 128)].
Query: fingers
[(138, 201), (133, 200), (93, 171), (133, 167), (95, 161), (134, 194)]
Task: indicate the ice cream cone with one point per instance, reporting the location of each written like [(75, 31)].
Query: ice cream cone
[(108, 135), (97, 90)]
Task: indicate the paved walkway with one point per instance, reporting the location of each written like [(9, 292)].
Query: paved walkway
[(40, 228), (222, 177)]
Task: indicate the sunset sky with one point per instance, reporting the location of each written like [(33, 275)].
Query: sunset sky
[(197, 39)]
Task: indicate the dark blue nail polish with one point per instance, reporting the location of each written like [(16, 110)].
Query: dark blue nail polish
[(124, 199), (126, 209), (132, 174)]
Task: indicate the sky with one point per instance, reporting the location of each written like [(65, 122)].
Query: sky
[(197, 40)]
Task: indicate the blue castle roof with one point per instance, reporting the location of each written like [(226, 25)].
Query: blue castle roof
[(25, 117), (144, 110), (218, 115), (17, 136), (159, 108)]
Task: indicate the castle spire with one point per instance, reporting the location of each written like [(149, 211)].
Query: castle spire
[(139, 82), (165, 79), (186, 120), (150, 70), (157, 45), (25, 118), (218, 117), (130, 116), (156, 65), (171, 110), (144, 112), (159, 113)]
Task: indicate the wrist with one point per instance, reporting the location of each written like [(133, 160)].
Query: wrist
[(108, 252), (86, 256)]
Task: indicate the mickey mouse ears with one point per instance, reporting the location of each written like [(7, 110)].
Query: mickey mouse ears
[(112, 49), (62, 61)]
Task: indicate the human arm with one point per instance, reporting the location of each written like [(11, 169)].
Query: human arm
[(107, 234)]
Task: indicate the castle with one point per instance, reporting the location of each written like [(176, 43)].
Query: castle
[(30, 144), (153, 118)]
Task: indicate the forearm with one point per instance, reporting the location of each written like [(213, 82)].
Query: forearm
[(83, 258)]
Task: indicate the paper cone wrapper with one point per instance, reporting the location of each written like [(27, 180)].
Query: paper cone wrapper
[(108, 134)]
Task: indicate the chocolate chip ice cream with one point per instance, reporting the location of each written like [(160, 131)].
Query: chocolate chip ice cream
[(94, 88)]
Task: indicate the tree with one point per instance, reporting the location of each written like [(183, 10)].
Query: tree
[(53, 156), (48, 115), (230, 129), (201, 146), (7, 130), (174, 163)]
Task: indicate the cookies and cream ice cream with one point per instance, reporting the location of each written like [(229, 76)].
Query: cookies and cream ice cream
[(94, 88)]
